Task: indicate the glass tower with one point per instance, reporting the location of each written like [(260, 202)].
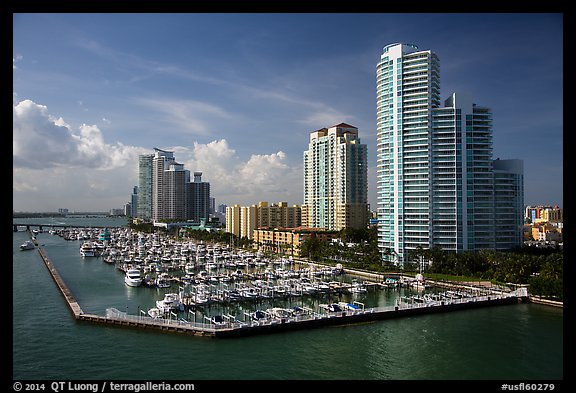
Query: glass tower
[(437, 184), (408, 89), (144, 205)]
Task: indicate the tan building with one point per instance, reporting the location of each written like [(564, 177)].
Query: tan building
[(233, 219), (335, 179), (248, 220), (243, 220), (288, 240)]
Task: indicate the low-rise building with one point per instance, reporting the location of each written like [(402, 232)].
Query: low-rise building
[(288, 240)]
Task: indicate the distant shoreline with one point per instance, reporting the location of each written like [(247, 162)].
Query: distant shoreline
[(55, 214)]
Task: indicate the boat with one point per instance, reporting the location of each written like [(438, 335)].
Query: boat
[(155, 312), (189, 268), (133, 278), (358, 287), (171, 302), (278, 312), (163, 281), (349, 306), (89, 249), (27, 245), (419, 283), (331, 307), (297, 311), (218, 320), (258, 315)]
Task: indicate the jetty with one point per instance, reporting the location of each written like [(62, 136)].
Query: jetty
[(228, 326)]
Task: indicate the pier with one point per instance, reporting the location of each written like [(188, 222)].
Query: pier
[(229, 326)]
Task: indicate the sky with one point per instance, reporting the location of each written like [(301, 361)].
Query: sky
[(235, 96)]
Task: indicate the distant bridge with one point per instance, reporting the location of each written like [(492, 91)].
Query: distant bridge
[(63, 226)]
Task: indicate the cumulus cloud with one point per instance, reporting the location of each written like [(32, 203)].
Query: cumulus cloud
[(41, 140), (261, 177)]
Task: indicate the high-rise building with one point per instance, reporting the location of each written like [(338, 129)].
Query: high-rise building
[(168, 186), (233, 219), (133, 203), (198, 199), (145, 186), (437, 184), (508, 202), (165, 190), (336, 179)]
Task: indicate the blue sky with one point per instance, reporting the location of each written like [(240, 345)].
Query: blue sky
[(236, 96)]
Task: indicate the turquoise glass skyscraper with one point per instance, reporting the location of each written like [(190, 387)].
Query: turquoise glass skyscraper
[(438, 185)]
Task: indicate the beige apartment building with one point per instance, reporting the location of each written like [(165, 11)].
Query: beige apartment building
[(288, 240), (335, 179), (243, 220)]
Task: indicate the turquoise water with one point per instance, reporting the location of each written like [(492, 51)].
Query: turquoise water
[(512, 342)]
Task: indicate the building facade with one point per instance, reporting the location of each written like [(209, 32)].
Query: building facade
[(437, 183), (243, 220), (288, 241), (168, 187), (508, 203), (165, 191), (145, 186), (336, 179), (133, 203), (198, 199), (233, 220)]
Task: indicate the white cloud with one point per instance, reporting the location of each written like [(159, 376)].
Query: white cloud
[(263, 177), (55, 166), (41, 140)]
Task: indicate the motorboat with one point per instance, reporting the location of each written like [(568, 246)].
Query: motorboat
[(259, 315), (349, 306), (163, 281), (133, 278), (358, 287), (218, 320), (27, 245), (88, 250), (331, 307), (171, 302), (155, 313), (278, 312), (419, 283), (297, 311)]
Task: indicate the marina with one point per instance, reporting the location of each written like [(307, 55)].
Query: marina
[(428, 346), (177, 312)]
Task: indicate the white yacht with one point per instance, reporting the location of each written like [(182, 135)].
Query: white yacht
[(88, 250), (171, 302), (155, 313), (133, 278), (27, 245)]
